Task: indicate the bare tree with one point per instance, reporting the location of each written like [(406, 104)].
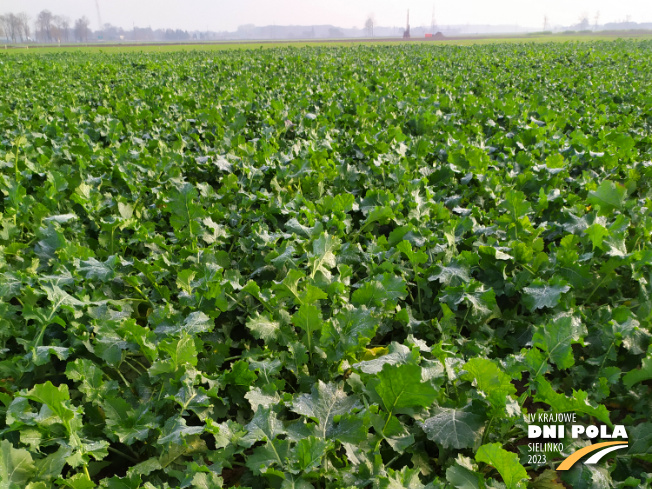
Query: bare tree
[(17, 28), (369, 25), (44, 25), (23, 24), (60, 28), (10, 27), (81, 29), (55, 31), (4, 27), (6, 22)]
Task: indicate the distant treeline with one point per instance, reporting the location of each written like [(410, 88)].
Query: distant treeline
[(50, 28)]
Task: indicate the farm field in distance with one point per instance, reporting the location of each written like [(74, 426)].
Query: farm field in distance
[(469, 40), (325, 267)]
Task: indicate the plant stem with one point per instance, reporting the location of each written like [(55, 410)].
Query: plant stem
[(127, 383), (16, 164), (124, 455), (133, 368), (596, 288), (486, 431), (418, 293)]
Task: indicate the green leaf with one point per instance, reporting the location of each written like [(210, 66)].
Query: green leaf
[(556, 338), (312, 294), (289, 286), (197, 322), (515, 204), (50, 467), (276, 452), (58, 297), (578, 402), (41, 354), (176, 429), (348, 332), (609, 196), (596, 233), (323, 254), (324, 403), (263, 327), (295, 482), (225, 433), (548, 479), (463, 478), (257, 397), (640, 442), (453, 274), (555, 161), (207, 479), (37, 485), (393, 432), (541, 294), (240, 374), (182, 352), (378, 214), (506, 463), (416, 257), (78, 481), (401, 479), (478, 160), (398, 355), (309, 452), (264, 426), (16, 466), (480, 301), (642, 374), (56, 398), (308, 318), (127, 423), (453, 428), (381, 293), (146, 467), (94, 269), (185, 212), (338, 203), (582, 476), (350, 429), (494, 253), (108, 344), (491, 380), (61, 218), (401, 387), (90, 380)]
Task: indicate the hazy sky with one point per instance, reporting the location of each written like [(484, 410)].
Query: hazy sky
[(229, 14)]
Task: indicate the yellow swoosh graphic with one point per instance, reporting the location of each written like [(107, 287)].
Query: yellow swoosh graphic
[(597, 456), (574, 457)]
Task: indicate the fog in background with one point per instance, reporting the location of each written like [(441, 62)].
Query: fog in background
[(345, 17)]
